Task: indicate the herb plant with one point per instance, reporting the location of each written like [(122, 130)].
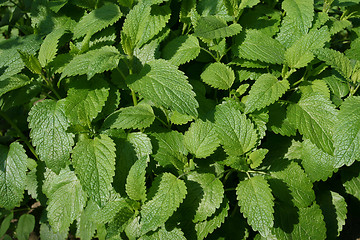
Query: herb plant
[(169, 119)]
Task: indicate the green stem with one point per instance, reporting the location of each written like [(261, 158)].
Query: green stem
[(21, 135), (164, 123), (133, 95), (212, 55)]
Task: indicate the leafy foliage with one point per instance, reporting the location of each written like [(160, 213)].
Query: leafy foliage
[(164, 119)]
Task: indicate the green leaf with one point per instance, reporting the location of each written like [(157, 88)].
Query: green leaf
[(94, 163), (92, 62), (25, 226), (97, 20), (49, 46), (85, 100), (142, 23), (170, 192), (12, 175), (5, 224), (297, 182), (205, 194), (334, 209), (260, 46), (310, 225), (48, 125), (166, 86), (181, 50), (47, 233), (136, 180), (12, 83), (315, 117), (248, 3), (172, 150), (317, 164), (201, 139), (347, 133), (136, 117), (235, 131), (336, 60), (11, 62), (31, 62), (163, 234), (266, 90), (351, 182), (209, 225), (257, 156), (300, 53), (316, 86), (218, 75), (212, 27), (298, 19), (85, 225), (61, 210), (256, 203)]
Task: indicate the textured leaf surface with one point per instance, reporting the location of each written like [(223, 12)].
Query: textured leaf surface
[(352, 184), (94, 163), (317, 164), (259, 46), (265, 91), (48, 125), (298, 19), (205, 194), (315, 117), (139, 116), (298, 183), (256, 203), (165, 85), (25, 226), (92, 62), (169, 194), (218, 75), (347, 133), (181, 50), (201, 139), (235, 131), (212, 27), (85, 100), (163, 234), (85, 225), (310, 226), (97, 19), (49, 46), (12, 83), (47, 233), (12, 175), (172, 150), (141, 24), (336, 60), (61, 210), (299, 54), (208, 226)]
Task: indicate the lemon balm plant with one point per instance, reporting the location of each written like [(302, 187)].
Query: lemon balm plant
[(169, 119)]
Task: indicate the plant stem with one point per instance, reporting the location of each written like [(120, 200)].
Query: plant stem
[(21, 135), (212, 55), (133, 95)]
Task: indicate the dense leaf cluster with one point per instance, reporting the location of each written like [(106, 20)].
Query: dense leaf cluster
[(169, 119)]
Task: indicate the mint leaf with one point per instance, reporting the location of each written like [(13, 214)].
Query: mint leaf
[(48, 124), (235, 131), (86, 226), (92, 62), (259, 46), (256, 203), (298, 19), (181, 50), (136, 117), (166, 86), (300, 53), (201, 139), (162, 233), (85, 100), (49, 47), (314, 122), (94, 163), (347, 133), (12, 83), (218, 75), (62, 211), (351, 182), (97, 20), (25, 226), (265, 91), (212, 27), (12, 175), (166, 198)]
